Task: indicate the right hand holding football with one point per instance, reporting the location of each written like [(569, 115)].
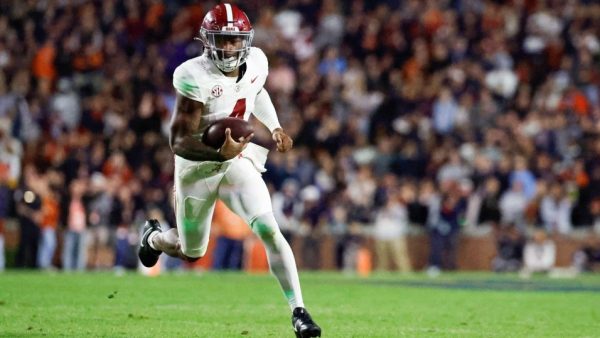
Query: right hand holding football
[(231, 148)]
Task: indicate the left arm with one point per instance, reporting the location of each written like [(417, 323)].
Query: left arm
[(265, 113)]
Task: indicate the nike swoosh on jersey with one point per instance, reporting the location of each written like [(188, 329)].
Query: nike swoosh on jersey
[(252, 81)]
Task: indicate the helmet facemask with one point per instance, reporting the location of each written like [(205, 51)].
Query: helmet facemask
[(227, 59)]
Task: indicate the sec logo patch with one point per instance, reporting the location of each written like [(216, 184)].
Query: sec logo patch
[(217, 91)]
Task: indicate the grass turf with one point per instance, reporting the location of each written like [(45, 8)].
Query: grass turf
[(240, 305)]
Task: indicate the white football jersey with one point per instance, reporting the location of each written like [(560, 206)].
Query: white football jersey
[(200, 80)]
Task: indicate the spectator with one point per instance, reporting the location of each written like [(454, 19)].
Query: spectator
[(445, 110), (454, 170), (419, 208), (556, 210), (524, 176), (311, 220), (74, 255), (390, 228), (65, 104), (509, 244), (122, 218), (587, 258), (512, 206), (332, 64), (445, 216), (50, 215), (286, 208), (484, 204), (28, 204), (361, 192), (339, 229), (539, 254), (10, 167), (100, 198), (331, 25)]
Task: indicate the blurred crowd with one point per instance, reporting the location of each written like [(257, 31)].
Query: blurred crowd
[(443, 116)]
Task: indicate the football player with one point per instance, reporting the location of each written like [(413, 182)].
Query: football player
[(225, 81)]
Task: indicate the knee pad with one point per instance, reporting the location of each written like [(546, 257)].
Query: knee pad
[(265, 227), (194, 213)]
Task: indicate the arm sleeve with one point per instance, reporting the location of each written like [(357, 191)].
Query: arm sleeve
[(265, 111), (186, 85)]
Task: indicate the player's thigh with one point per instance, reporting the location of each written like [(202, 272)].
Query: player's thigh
[(244, 191), (196, 191)]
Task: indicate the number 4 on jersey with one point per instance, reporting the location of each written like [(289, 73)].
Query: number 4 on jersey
[(239, 110)]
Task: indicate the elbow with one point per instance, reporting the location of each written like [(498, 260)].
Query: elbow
[(175, 144), (174, 149), (177, 149), (180, 148), (172, 144)]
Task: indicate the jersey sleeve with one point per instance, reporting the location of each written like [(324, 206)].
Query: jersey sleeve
[(185, 83)]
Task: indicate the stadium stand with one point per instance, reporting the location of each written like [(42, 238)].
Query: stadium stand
[(471, 122)]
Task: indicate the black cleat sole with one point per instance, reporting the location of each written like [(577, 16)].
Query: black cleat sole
[(147, 255), (308, 333), (304, 326)]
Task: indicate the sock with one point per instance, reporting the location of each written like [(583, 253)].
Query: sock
[(281, 258), (151, 239), (167, 242)]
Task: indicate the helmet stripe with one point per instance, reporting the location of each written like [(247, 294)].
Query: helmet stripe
[(229, 15)]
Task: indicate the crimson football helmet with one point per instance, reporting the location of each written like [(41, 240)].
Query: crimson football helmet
[(226, 34)]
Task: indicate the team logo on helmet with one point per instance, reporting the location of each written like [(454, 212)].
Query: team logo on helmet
[(217, 91)]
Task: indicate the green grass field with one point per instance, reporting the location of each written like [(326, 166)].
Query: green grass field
[(240, 305)]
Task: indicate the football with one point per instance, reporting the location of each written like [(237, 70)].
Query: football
[(214, 135)]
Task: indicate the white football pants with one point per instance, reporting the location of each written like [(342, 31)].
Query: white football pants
[(236, 182)]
